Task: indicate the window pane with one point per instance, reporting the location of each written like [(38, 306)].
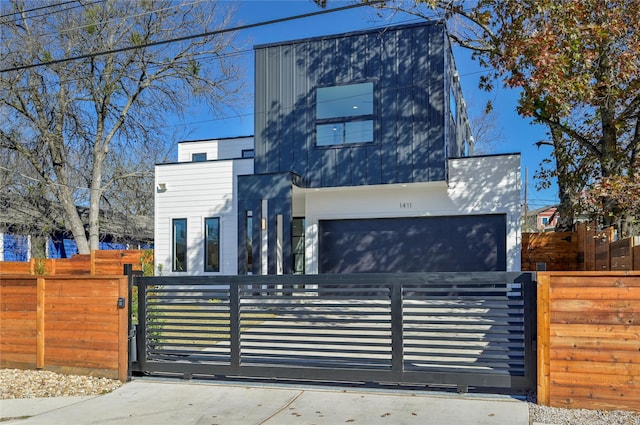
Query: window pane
[(197, 157), (358, 132), (180, 245), (329, 134), (212, 245), (297, 244), (344, 101), (249, 242)]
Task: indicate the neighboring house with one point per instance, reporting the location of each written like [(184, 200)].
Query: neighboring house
[(29, 225), (360, 163), (542, 219)]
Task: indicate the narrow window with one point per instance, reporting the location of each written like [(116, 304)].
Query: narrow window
[(249, 240), (179, 263), (199, 157), (297, 244), (248, 153), (212, 244), (344, 114)]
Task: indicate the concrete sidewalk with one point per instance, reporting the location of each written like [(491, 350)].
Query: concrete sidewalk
[(158, 402)]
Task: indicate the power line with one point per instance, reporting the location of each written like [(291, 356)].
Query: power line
[(58, 11), (193, 36), (205, 58), (35, 9)]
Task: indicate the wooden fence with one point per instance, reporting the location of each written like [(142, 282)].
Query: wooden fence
[(104, 262), (585, 249), (67, 324), (589, 340)]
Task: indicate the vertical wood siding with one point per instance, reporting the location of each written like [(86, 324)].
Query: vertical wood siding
[(407, 66)]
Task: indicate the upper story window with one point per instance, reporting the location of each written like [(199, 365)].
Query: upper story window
[(248, 153), (198, 157), (344, 114)]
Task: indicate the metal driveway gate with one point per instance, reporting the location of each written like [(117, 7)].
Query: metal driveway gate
[(461, 329)]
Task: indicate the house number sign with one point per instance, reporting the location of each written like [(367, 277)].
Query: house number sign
[(406, 205)]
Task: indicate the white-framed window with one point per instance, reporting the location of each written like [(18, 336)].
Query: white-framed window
[(344, 114)]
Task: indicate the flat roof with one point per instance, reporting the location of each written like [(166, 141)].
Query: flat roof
[(351, 33)]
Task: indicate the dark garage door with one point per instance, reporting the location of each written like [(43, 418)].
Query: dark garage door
[(424, 244)]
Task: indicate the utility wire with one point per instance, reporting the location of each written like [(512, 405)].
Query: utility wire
[(35, 9), (193, 36), (6, 21)]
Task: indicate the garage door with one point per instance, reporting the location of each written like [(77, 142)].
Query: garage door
[(424, 244)]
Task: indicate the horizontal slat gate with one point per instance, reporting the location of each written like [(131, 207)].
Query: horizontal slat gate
[(464, 329)]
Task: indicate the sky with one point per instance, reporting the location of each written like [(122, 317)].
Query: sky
[(518, 134)]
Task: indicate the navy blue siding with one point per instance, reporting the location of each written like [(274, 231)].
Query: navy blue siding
[(407, 65)]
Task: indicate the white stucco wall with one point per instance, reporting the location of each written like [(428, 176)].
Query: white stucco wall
[(477, 185), (195, 191)]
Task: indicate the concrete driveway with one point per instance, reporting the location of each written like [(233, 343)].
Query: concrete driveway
[(157, 402)]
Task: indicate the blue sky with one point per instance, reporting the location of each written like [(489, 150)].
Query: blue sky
[(518, 134)]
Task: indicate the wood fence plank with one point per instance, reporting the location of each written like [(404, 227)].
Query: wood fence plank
[(602, 368), (594, 380), (595, 280), (619, 317), (601, 293), (543, 338), (596, 342), (598, 331), (593, 355), (596, 398), (595, 306), (74, 322)]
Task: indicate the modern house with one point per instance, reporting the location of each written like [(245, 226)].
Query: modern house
[(362, 161)]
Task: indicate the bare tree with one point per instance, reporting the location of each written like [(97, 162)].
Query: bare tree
[(89, 126)]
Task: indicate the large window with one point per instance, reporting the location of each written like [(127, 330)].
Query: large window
[(179, 261), (344, 114), (212, 244)]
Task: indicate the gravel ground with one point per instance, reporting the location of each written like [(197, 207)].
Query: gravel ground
[(558, 416), (15, 383)]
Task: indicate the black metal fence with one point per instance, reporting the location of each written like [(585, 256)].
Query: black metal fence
[(459, 329)]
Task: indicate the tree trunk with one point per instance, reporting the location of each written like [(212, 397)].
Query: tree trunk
[(565, 190)]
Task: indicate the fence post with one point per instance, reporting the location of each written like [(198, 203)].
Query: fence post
[(128, 271), (40, 346), (397, 346), (528, 288), (141, 330), (92, 263), (234, 325), (544, 320)]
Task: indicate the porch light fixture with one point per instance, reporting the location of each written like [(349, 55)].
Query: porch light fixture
[(264, 224), (162, 187)]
